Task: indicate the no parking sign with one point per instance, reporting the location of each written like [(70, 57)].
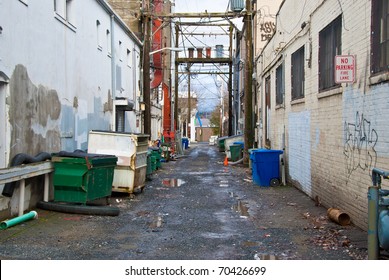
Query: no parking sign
[(344, 69)]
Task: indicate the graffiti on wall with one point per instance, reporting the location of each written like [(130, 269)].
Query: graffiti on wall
[(267, 29), (360, 141)]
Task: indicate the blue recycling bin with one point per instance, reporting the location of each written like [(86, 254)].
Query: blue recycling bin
[(266, 167), (241, 143), (185, 143)]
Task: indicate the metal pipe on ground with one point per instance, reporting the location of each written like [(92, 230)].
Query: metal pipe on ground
[(338, 216)]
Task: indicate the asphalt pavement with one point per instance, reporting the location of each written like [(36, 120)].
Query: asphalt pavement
[(194, 208)]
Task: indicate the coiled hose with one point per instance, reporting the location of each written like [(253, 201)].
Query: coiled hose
[(23, 159)]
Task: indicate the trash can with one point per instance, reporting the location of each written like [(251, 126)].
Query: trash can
[(230, 140), (241, 143), (166, 151), (220, 143), (185, 143), (236, 152), (250, 159), (131, 150), (81, 177), (266, 167), (153, 162), (156, 152)]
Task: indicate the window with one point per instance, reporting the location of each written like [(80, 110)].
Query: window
[(330, 44), (64, 9), (129, 58), (109, 42), (298, 74), (280, 85), (380, 36), (98, 31), (120, 51)]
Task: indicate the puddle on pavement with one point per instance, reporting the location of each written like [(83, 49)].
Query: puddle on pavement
[(172, 182), (251, 244), (259, 256), (267, 257), (156, 223), (241, 208), (200, 173)]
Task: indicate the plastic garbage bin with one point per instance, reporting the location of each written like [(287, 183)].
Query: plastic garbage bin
[(266, 167), (236, 152), (185, 143), (156, 152), (241, 143), (81, 177), (220, 143)]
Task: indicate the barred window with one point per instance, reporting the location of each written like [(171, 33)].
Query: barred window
[(298, 73), (380, 36), (330, 45), (280, 85)]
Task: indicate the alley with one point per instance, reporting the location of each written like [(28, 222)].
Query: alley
[(193, 208)]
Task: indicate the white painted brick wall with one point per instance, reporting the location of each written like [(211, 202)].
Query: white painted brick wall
[(332, 142)]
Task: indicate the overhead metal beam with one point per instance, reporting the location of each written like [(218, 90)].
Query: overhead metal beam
[(204, 60), (205, 34), (205, 73), (182, 23), (200, 15)]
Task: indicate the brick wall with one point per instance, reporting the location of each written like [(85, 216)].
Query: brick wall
[(332, 139)]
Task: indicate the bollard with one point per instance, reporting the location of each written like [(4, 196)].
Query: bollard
[(372, 235)]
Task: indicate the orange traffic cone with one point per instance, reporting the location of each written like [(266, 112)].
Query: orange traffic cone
[(226, 161)]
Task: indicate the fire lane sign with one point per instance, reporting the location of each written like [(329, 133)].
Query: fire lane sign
[(344, 69)]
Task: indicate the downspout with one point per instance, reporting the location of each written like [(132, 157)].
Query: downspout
[(261, 114), (113, 73)]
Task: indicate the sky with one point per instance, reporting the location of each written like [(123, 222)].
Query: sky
[(206, 87)]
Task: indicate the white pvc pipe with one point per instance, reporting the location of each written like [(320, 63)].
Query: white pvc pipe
[(46, 188), (22, 188)]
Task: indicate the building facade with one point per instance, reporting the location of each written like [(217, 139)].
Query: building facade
[(66, 67), (327, 114)]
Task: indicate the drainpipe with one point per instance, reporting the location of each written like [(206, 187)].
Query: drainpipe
[(260, 127), (113, 73)]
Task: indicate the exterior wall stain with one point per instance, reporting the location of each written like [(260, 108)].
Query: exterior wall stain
[(33, 114), (108, 106)]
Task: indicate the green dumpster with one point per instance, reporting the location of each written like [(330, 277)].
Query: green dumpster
[(220, 143), (236, 152), (153, 162), (82, 177), (156, 152), (149, 169)]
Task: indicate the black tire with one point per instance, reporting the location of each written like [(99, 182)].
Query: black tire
[(274, 182), (79, 209)]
